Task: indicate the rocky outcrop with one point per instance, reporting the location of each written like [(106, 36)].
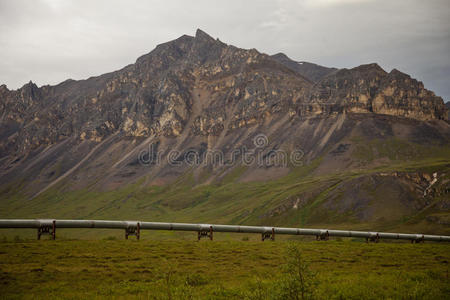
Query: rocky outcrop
[(369, 89), (154, 96), (447, 105)]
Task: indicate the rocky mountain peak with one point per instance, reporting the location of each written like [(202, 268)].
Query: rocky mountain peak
[(370, 68), (200, 35), (192, 50), (205, 48), (312, 72), (30, 91), (29, 85), (3, 89), (280, 55), (396, 73)]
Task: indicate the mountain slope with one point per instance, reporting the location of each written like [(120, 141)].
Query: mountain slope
[(142, 142)]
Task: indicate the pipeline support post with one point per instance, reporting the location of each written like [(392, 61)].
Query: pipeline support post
[(268, 235), (133, 230), (49, 229), (205, 233), (418, 239), (373, 238), (323, 236)]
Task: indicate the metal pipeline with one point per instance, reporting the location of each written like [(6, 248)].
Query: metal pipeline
[(132, 225)]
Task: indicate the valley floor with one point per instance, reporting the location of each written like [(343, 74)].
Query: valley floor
[(247, 269)]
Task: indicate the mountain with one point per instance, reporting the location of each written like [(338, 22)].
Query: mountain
[(309, 70), (172, 137), (447, 105)]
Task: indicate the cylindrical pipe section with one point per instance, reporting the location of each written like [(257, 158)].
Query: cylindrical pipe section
[(156, 226), (92, 224), (38, 223), (304, 231), (18, 223), (339, 233), (359, 234), (403, 236), (226, 228), (385, 235), (290, 231)]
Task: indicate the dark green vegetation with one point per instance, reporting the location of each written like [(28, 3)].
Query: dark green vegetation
[(148, 269)]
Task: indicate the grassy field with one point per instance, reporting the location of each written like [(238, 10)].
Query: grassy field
[(247, 269)]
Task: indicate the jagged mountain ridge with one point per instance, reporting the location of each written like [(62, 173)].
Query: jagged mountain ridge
[(199, 93), (147, 107)]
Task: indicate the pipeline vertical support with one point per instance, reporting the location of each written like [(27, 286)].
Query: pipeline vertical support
[(54, 230), (133, 230), (323, 236), (373, 238), (47, 229), (138, 231), (268, 235), (418, 239), (205, 233)]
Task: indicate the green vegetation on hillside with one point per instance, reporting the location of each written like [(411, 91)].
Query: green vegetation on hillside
[(303, 198)]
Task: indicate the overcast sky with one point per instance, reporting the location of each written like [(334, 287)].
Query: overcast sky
[(49, 41)]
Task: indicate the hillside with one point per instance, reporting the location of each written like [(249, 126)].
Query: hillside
[(172, 137)]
